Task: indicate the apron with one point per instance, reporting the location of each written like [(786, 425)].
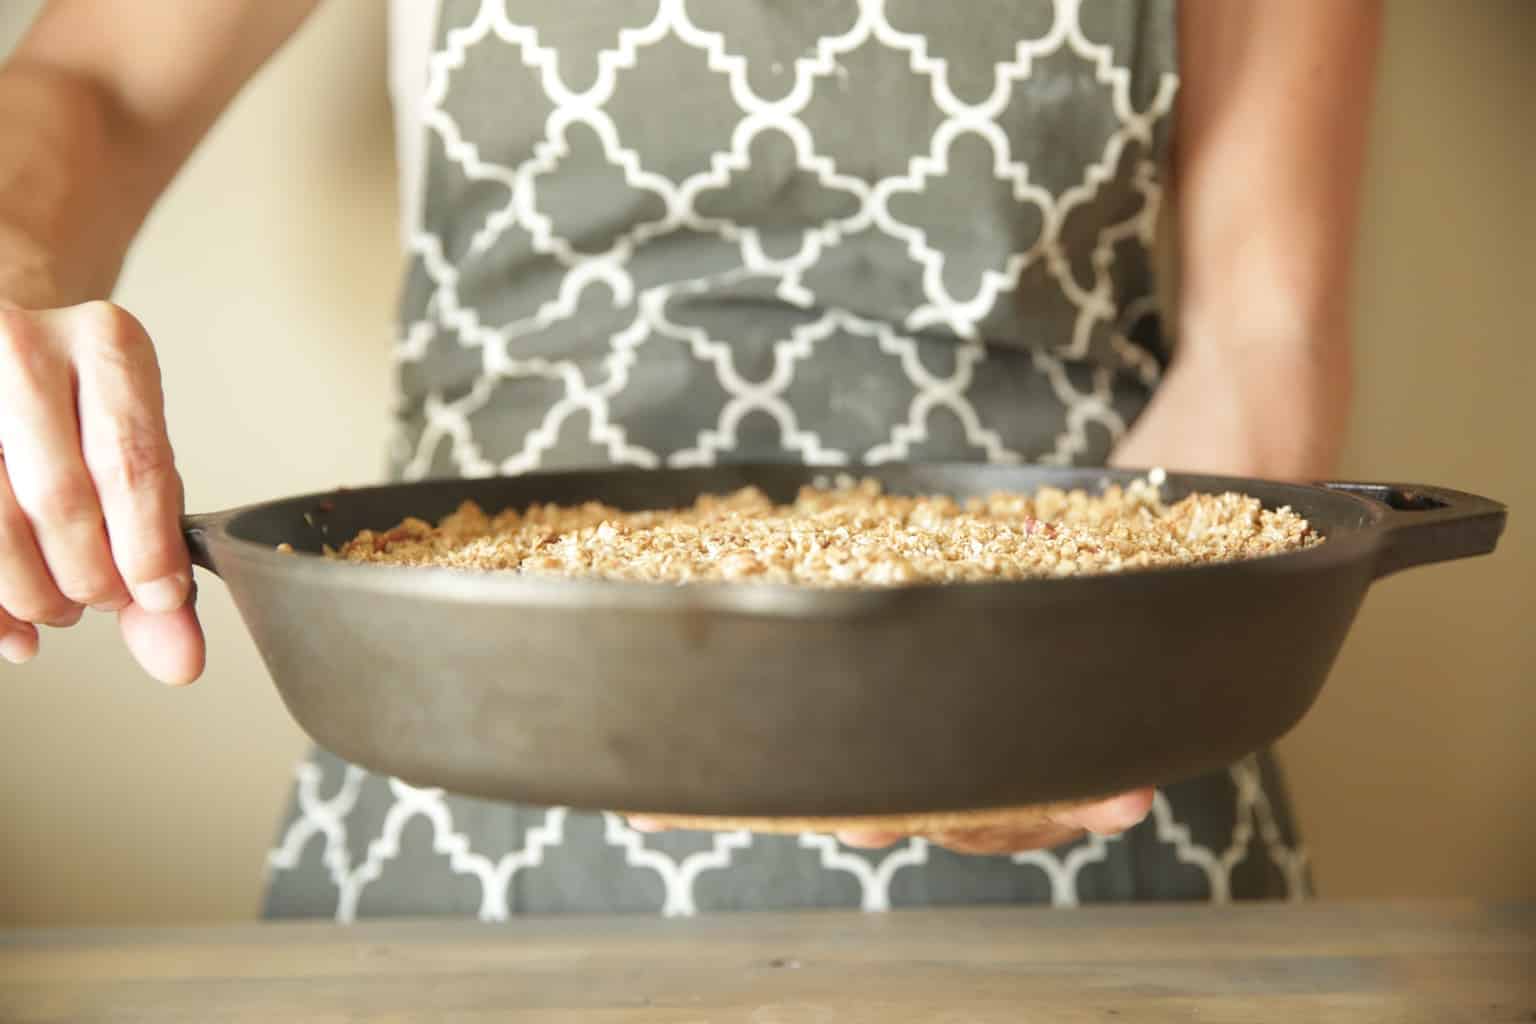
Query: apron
[(671, 234)]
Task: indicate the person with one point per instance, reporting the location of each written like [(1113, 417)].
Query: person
[(659, 233)]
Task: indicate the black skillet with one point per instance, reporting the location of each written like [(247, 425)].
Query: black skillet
[(763, 700)]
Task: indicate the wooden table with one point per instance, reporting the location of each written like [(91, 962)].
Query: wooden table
[(1325, 962)]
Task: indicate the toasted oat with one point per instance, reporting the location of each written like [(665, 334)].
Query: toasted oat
[(849, 534)]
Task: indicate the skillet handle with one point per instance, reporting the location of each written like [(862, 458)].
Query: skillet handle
[(195, 530), (1427, 524)]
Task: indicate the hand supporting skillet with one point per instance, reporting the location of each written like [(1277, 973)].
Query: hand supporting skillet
[(1105, 817)]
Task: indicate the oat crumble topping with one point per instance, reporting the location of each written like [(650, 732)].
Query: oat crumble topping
[(849, 534)]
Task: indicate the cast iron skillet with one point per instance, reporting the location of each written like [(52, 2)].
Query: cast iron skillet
[(763, 700)]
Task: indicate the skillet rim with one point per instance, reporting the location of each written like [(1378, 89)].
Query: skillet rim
[(1344, 542)]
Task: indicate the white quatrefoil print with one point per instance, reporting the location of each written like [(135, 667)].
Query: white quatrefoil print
[(666, 233)]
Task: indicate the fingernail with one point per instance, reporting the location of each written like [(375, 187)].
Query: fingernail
[(115, 605), (165, 594), (17, 648), (67, 619)]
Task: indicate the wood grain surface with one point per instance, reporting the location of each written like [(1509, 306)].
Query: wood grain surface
[(1320, 962)]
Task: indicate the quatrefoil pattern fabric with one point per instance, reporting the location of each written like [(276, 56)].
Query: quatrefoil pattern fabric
[(657, 233), (676, 232)]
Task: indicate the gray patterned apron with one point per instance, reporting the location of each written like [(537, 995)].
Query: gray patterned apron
[(665, 234)]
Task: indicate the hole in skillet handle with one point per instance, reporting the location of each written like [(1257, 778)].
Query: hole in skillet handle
[(1426, 524), (1397, 498)]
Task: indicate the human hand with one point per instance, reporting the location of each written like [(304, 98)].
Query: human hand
[(90, 500), (1031, 831), (1104, 817)]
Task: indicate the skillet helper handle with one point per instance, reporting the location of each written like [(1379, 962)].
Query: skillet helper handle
[(195, 529), (1427, 524)]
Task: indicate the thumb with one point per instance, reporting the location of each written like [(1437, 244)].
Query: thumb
[(169, 645)]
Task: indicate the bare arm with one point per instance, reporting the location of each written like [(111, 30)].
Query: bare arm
[(1268, 156), (102, 103)]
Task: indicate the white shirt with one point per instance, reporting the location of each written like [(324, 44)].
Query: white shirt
[(411, 26)]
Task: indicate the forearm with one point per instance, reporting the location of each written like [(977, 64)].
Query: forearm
[(71, 194), (102, 103), (1268, 152)]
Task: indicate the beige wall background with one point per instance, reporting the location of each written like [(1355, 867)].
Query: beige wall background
[(268, 276)]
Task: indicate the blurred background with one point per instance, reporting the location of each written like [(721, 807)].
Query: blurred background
[(268, 275)]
